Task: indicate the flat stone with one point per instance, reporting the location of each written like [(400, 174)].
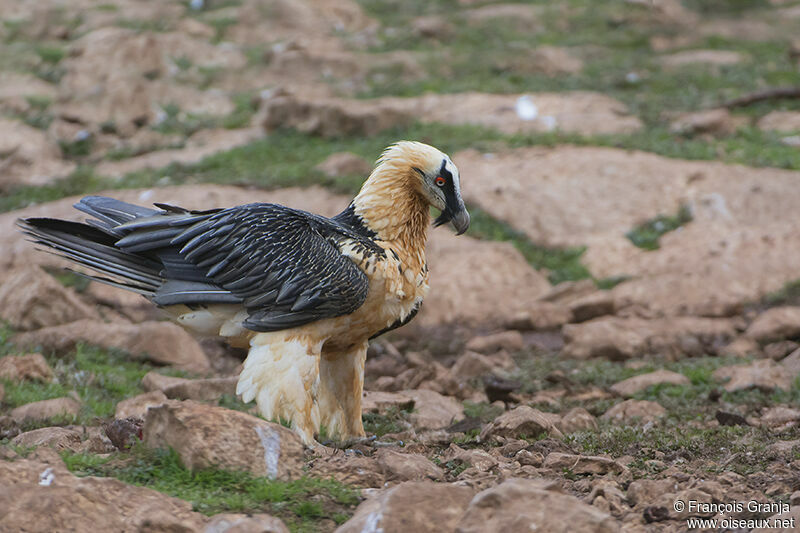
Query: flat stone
[(30, 367), (153, 381), (32, 299), (792, 363), (431, 409), (245, 523), (208, 436), (407, 466), (55, 437), (528, 505), (521, 422), (411, 506), (779, 417), (710, 57), (764, 374), (631, 411), (577, 419), (506, 340), (476, 458), (592, 305), (44, 409), (202, 389), (137, 406), (582, 464), (161, 342), (471, 365), (742, 347), (351, 469), (783, 121), (775, 324), (631, 386), (620, 338), (714, 121)]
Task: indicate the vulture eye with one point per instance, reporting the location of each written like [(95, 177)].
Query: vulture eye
[(440, 181)]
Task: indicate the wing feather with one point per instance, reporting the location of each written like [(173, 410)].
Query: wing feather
[(283, 264)]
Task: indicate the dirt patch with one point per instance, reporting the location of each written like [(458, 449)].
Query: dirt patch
[(15, 85), (121, 77), (547, 60), (200, 145), (522, 15), (28, 157), (737, 248), (287, 19), (581, 112), (707, 57), (782, 121)]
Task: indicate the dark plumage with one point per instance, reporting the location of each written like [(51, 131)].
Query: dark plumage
[(283, 265)]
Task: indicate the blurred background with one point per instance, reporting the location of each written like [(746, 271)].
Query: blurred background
[(631, 167)]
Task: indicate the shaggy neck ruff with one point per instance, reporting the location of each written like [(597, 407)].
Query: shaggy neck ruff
[(390, 204)]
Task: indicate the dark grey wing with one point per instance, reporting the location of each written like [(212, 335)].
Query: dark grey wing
[(282, 264)]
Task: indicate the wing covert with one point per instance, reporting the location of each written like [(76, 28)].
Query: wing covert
[(282, 263)]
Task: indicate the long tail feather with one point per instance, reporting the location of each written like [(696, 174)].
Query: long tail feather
[(94, 248)]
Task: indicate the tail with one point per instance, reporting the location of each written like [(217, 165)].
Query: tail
[(131, 247), (93, 244)]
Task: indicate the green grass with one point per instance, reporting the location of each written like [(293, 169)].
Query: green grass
[(647, 235), (220, 25), (245, 106), (177, 122), (234, 402), (789, 294), (485, 412), (77, 149), (82, 181), (37, 115), (740, 449), (50, 54), (393, 420), (717, 7), (613, 40), (143, 25), (560, 264), (684, 402), (182, 62), (687, 433), (100, 377), (305, 504)]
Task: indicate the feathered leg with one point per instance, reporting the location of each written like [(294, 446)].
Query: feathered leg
[(340, 391), (281, 373)]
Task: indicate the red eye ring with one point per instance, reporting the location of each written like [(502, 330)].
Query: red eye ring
[(440, 181)]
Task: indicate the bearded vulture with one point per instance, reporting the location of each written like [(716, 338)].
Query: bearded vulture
[(303, 292)]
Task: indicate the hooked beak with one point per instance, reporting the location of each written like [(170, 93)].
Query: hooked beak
[(460, 219)]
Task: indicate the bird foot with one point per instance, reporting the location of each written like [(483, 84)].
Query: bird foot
[(353, 446)]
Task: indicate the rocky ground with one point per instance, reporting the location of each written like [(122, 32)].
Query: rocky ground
[(618, 331)]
